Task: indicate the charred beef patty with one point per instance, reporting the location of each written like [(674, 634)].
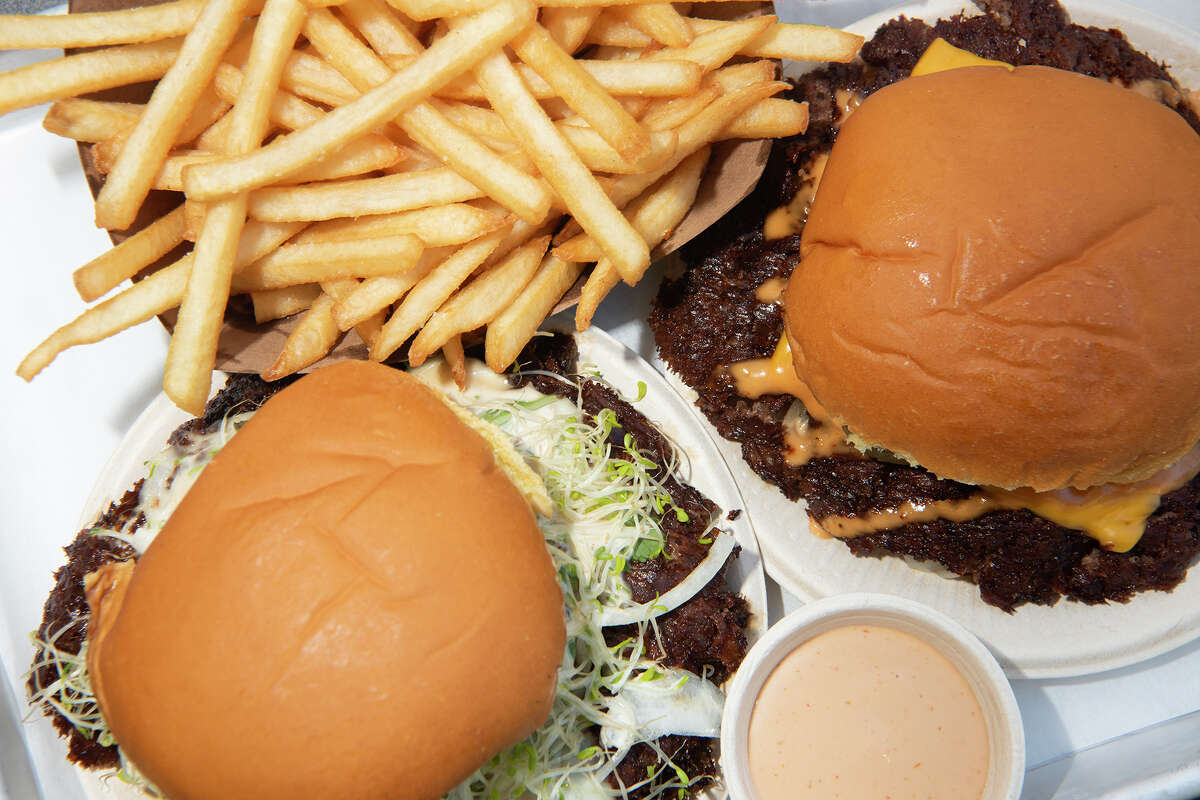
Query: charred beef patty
[(706, 635), (710, 317)]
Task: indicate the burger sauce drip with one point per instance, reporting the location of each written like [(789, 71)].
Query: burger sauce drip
[(803, 441), (789, 219)]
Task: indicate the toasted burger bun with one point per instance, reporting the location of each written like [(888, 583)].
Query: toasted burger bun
[(1001, 276), (352, 601)]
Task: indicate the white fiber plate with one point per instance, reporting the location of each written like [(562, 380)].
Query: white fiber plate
[(701, 465), (1035, 642)]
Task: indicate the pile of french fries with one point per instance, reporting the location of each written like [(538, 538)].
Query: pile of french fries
[(410, 169)]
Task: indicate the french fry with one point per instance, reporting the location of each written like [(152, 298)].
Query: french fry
[(422, 10), (90, 120), (697, 132), (660, 21), (159, 292), (456, 359), (400, 192), (193, 216), (712, 48), (436, 226), (480, 301), (193, 348), (68, 76), (129, 181), (322, 261), (668, 114), (738, 76), (368, 329), (454, 53), (569, 26), (509, 332), (378, 24), (561, 167), (526, 196), (284, 302), (780, 40), (373, 296), (654, 214), (800, 43), (770, 119), (431, 292), (130, 257), (129, 26), (368, 154), (309, 341), (582, 92), (309, 76), (619, 78)]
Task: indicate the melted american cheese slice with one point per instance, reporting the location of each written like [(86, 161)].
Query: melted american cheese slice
[(941, 56)]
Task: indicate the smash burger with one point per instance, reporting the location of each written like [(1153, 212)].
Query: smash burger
[(979, 284), (1010, 316), (367, 609), (339, 588)]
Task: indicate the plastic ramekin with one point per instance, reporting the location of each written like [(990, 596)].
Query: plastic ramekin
[(1006, 763)]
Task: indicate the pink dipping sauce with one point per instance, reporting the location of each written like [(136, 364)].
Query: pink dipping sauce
[(866, 712)]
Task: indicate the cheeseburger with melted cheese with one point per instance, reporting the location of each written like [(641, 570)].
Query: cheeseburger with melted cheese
[(1029, 330), (979, 286)]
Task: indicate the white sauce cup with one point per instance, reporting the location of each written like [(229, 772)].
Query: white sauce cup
[(1006, 736)]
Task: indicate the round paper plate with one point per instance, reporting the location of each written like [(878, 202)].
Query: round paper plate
[(1036, 641)]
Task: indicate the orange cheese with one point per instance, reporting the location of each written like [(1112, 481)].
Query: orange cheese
[(941, 56)]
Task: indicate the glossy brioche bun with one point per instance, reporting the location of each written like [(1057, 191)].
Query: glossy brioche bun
[(1000, 279), (352, 601)]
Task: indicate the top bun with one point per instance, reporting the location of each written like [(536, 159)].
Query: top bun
[(352, 601), (1001, 276)]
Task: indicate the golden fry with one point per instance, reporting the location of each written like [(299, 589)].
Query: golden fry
[(284, 302), (512, 329), (130, 257), (90, 120), (569, 26), (322, 261), (664, 78), (480, 301), (193, 349), (128, 26), (400, 192), (436, 226), (85, 72), (312, 338), (431, 292)]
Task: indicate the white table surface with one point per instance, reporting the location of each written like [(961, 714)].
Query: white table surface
[(58, 431)]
